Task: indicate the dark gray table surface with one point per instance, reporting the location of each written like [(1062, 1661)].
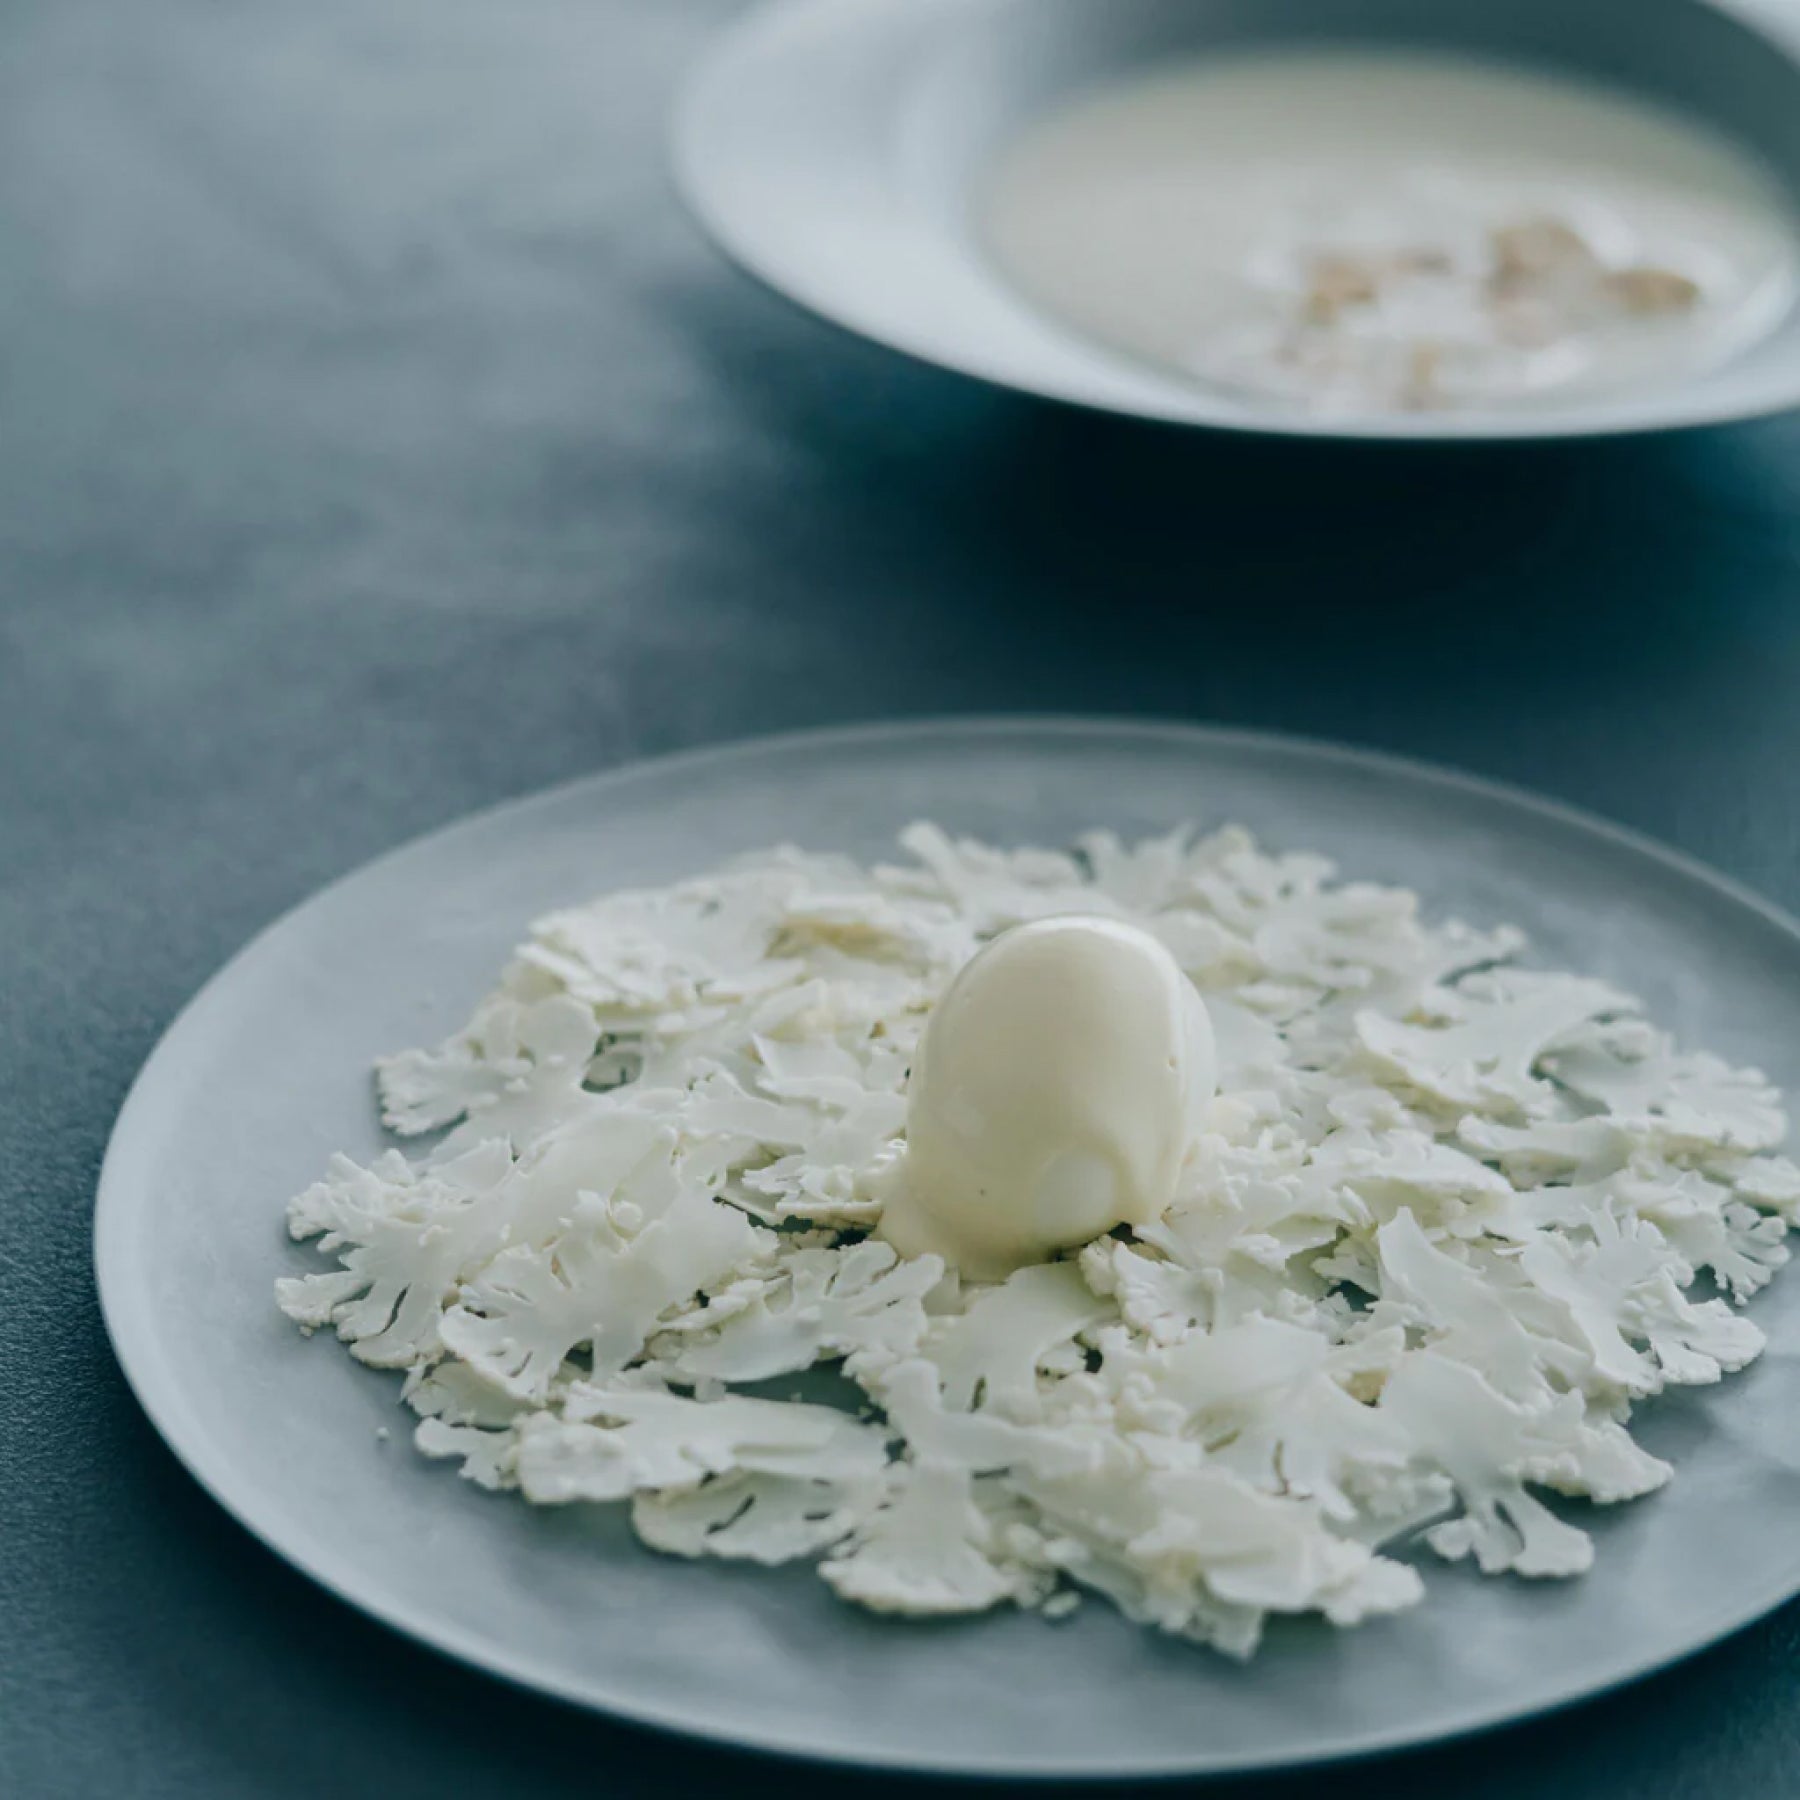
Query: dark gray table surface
[(377, 440)]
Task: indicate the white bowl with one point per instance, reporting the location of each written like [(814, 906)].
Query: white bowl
[(831, 147)]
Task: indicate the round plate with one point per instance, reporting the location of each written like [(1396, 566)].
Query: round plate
[(267, 1073), (833, 150)]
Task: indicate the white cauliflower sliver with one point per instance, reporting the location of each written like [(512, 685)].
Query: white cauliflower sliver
[(860, 1301), (658, 1441), (929, 1551), (750, 1516)]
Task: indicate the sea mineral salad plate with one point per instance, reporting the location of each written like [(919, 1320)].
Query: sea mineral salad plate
[(267, 1073)]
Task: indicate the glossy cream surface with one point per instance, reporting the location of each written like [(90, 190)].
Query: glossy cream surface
[(1056, 1094)]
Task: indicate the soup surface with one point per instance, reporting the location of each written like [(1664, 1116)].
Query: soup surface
[(1358, 232)]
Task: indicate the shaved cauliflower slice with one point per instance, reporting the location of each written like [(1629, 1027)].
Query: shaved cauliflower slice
[(1695, 1102), (750, 1515), (1198, 1551), (1496, 1031), (1491, 1447), (859, 1301), (989, 1355), (404, 1239), (930, 1550), (664, 1441), (600, 1285)]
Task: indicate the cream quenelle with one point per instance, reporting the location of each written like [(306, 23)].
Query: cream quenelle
[(1057, 1093)]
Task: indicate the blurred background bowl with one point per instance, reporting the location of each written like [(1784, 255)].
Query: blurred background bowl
[(833, 148)]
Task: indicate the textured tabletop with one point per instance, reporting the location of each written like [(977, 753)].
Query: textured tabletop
[(377, 440)]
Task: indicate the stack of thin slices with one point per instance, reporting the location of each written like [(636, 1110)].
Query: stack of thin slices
[(1450, 1219)]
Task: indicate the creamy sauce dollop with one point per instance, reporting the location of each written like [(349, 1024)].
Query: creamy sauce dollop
[(1057, 1093)]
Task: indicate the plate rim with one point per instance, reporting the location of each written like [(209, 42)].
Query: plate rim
[(743, 42), (300, 1549)]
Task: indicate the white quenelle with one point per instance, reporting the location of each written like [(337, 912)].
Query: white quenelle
[(1057, 1093)]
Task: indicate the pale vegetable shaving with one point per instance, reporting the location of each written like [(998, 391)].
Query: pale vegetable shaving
[(1450, 1221)]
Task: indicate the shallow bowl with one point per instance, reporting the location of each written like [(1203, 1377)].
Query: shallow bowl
[(834, 147)]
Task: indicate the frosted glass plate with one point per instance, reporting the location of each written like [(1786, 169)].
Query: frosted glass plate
[(267, 1073)]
